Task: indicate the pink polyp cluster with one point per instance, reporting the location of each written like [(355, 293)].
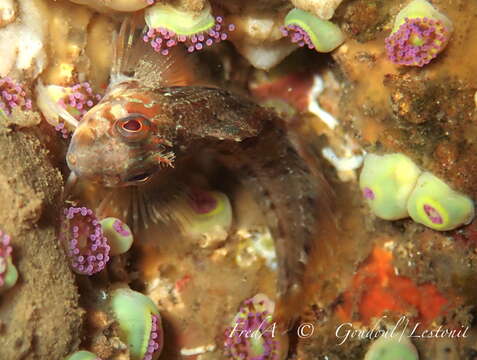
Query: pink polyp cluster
[(162, 39), (78, 102), (417, 41), (150, 2), (251, 320), (155, 342), (61, 128), (82, 236), (297, 35), (5, 253), (12, 96), (81, 98)]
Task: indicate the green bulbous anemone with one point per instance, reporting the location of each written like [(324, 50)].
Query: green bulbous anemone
[(139, 323), (119, 235), (10, 276), (434, 204), (168, 26), (83, 355), (387, 182), (207, 213), (392, 348), (8, 271), (182, 22), (263, 340), (305, 28), (420, 9)]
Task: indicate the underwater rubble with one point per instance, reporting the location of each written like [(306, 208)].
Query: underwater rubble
[(209, 180)]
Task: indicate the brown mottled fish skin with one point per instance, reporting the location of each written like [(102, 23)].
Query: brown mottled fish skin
[(248, 139), (287, 193), (253, 145)]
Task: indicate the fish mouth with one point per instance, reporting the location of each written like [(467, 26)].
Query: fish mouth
[(139, 178)]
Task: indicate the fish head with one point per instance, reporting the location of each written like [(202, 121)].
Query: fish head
[(117, 141)]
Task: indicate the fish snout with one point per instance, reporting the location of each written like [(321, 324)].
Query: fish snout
[(81, 142), (100, 159)]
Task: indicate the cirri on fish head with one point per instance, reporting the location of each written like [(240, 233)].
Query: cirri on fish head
[(116, 143)]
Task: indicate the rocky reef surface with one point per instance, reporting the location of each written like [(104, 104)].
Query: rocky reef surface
[(378, 96)]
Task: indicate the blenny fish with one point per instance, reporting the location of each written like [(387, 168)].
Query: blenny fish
[(140, 130)]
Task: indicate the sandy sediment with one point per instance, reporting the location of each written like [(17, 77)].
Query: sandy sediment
[(40, 317)]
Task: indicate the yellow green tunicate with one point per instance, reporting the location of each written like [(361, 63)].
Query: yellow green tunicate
[(434, 204), (10, 277), (387, 182), (163, 15), (255, 315), (83, 355), (134, 313), (323, 34), (392, 348), (420, 9), (202, 221), (119, 235)]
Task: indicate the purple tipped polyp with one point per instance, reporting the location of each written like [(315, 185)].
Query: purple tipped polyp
[(81, 98), (163, 39), (252, 319), (433, 214), (60, 127), (12, 95), (417, 41), (82, 237), (78, 102), (5, 253), (368, 193), (155, 340), (297, 35)]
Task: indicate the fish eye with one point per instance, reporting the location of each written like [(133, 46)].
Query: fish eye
[(134, 127)]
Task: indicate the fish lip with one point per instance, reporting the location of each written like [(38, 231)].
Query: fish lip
[(71, 160), (139, 179)]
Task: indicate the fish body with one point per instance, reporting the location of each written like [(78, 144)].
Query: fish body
[(137, 130)]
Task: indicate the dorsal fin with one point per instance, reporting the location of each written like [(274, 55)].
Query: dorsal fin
[(134, 58)]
